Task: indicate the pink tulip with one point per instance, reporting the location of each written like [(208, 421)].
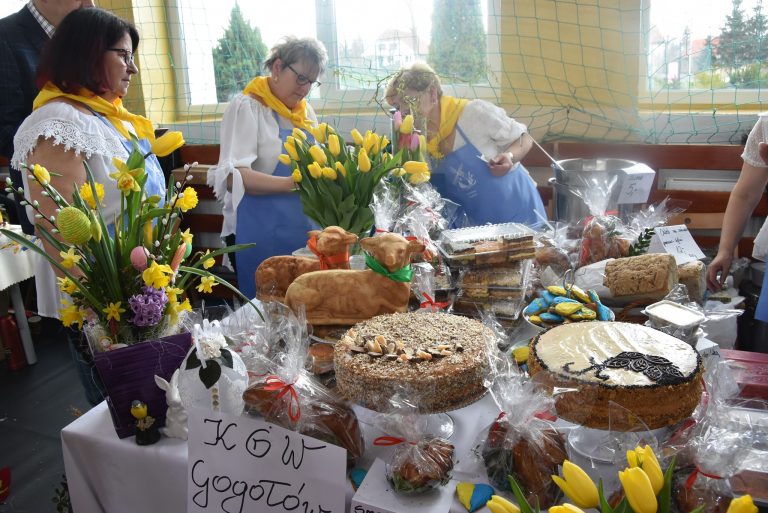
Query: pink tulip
[(414, 141), (398, 119)]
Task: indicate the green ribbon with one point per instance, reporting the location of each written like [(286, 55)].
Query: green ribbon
[(403, 274)]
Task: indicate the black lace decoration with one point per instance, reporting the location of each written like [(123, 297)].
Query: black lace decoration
[(656, 368)]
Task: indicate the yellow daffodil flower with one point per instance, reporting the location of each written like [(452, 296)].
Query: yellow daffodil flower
[(206, 284), (743, 504), (70, 314), (183, 306), (406, 127), (284, 158), (187, 200), (74, 225), (644, 458), (87, 194), (363, 162), (290, 147), (41, 174), (66, 285), (638, 490), (565, 508), (167, 143), (156, 275), (186, 237), (315, 171), (329, 173), (334, 146), (173, 294), (208, 262), (113, 311), (296, 175), (127, 179), (357, 137), (318, 154), (577, 485), (299, 134), (69, 258), (341, 169)]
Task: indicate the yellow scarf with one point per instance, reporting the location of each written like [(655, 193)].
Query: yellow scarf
[(450, 110), (259, 87), (115, 114)]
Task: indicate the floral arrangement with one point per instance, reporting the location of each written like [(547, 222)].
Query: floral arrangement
[(336, 180), (646, 489), (124, 275)]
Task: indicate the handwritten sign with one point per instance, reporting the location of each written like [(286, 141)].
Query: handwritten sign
[(636, 185), (677, 241), (243, 464)]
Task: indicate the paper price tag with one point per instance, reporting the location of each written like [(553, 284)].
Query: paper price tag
[(246, 464), (637, 183), (678, 242)]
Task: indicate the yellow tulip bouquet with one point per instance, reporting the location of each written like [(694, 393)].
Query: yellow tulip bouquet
[(125, 275), (336, 180)]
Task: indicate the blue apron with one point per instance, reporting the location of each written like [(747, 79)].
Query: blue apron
[(761, 312), (465, 179), (275, 222)]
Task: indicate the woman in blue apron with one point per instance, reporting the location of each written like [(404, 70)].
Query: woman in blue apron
[(260, 205), (484, 174)]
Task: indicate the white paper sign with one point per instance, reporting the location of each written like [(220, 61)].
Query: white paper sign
[(375, 495), (637, 183), (243, 464), (677, 241)]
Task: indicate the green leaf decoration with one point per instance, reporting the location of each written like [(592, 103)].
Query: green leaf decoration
[(524, 505), (640, 247), (211, 373), (226, 355), (665, 494)]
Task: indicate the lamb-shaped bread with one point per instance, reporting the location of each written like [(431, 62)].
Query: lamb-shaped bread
[(348, 297), (275, 274)]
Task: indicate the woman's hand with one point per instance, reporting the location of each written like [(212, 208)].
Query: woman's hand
[(501, 164), (721, 265)]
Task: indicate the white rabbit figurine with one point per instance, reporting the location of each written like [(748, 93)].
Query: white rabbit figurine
[(176, 416)]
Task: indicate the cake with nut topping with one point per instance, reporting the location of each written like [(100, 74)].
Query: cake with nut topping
[(440, 359)]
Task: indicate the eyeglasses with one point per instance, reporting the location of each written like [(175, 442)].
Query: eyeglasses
[(303, 80), (126, 55)]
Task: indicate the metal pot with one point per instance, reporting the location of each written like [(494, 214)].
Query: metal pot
[(579, 172), (569, 206)]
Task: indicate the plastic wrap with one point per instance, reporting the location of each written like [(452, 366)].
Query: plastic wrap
[(433, 291), (487, 245), (287, 395)]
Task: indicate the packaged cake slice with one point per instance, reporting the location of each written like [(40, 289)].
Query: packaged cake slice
[(487, 245)]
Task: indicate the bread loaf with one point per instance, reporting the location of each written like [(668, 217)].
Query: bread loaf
[(692, 276), (649, 276)]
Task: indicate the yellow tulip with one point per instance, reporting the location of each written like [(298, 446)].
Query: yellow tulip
[(566, 508), (290, 147), (284, 158), (41, 174), (329, 173), (743, 504), (638, 489), (407, 126), (167, 143), (357, 137), (370, 142), (296, 175), (149, 237), (320, 132), (398, 171), (333, 145), (417, 178), (299, 134), (341, 169), (363, 162), (577, 485), (318, 154), (315, 170), (384, 141), (644, 458), (416, 166)]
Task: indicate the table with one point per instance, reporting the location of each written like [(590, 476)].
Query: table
[(16, 265)]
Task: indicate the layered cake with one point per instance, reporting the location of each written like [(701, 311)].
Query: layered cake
[(653, 375), (438, 360)]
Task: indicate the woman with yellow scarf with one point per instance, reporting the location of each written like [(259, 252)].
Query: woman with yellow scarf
[(255, 188), (78, 117), (475, 148)]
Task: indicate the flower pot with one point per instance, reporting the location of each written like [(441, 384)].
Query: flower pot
[(129, 373)]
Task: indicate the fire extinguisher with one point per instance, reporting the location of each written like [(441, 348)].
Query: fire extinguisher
[(9, 334)]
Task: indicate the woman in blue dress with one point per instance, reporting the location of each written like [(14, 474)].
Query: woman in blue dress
[(475, 148)]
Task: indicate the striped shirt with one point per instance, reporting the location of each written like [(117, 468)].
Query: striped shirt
[(49, 29)]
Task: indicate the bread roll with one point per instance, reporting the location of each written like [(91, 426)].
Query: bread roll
[(649, 276), (693, 276)]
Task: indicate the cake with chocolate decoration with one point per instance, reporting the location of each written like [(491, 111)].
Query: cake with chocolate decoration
[(654, 375), (438, 358)]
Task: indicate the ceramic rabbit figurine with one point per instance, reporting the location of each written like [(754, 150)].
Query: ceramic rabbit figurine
[(176, 416)]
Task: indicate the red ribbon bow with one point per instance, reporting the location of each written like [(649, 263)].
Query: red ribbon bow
[(327, 260), (434, 305), (692, 478), (390, 440), (294, 407)]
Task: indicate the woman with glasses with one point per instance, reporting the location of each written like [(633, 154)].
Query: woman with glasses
[(255, 188), (78, 117), (475, 147)]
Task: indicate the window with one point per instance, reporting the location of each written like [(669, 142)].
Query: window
[(8, 7), (366, 43)]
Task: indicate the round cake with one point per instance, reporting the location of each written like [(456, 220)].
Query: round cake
[(653, 375), (438, 359)]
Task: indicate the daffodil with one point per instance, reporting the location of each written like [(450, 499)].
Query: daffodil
[(41, 174), (69, 258), (87, 194), (334, 146), (113, 311), (173, 294), (315, 170), (183, 306), (318, 154), (743, 504), (127, 179), (296, 175), (208, 262), (340, 168), (186, 238), (290, 147), (284, 158), (157, 275), (357, 137), (66, 285), (187, 200), (363, 162), (206, 284), (577, 485), (644, 458), (70, 314), (167, 143), (565, 508), (638, 490)]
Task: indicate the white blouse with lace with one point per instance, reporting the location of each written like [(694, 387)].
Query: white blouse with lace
[(84, 134), (249, 138)]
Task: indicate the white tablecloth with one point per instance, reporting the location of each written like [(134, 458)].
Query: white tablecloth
[(16, 262)]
